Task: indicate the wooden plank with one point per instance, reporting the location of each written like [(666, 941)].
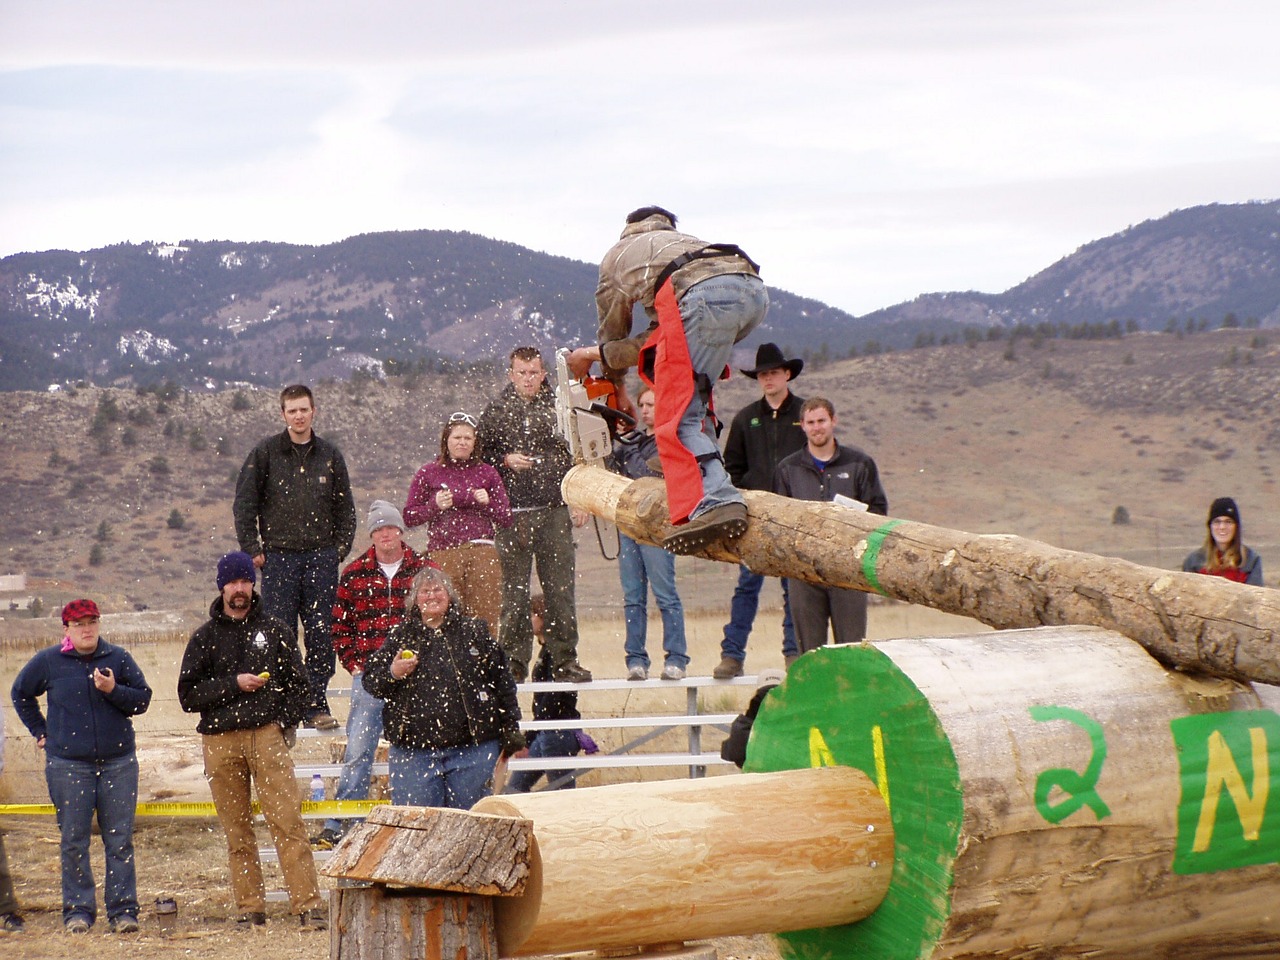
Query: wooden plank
[(436, 849), (1186, 620)]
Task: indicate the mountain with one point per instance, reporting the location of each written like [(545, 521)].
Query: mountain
[(211, 313)]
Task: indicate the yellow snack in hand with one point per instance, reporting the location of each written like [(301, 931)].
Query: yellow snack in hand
[(264, 675), (407, 654)]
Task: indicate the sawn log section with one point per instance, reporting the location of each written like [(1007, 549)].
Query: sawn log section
[(1188, 621)]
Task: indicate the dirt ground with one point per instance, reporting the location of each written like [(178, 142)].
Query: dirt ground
[(185, 858)]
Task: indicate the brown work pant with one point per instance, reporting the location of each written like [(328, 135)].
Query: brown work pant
[(230, 760), (477, 576)]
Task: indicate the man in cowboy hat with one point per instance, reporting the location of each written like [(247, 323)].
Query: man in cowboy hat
[(701, 299), (760, 436)]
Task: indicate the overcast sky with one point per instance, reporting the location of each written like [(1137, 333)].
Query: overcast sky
[(862, 152)]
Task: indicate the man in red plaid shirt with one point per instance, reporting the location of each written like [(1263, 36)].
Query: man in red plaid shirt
[(370, 601)]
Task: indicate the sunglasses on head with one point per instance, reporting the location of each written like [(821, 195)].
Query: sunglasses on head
[(462, 417)]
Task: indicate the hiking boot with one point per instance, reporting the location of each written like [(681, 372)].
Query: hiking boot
[(326, 839), (314, 920), (637, 673), (672, 672), (12, 923), (124, 924), (323, 720), (724, 522), (248, 921), (727, 669), (76, 925), (571, 672)]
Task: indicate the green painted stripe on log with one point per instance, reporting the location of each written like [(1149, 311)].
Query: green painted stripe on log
[(828, 709), (872, 554)]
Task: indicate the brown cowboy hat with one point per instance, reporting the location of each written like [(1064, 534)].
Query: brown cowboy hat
[(769, 357)]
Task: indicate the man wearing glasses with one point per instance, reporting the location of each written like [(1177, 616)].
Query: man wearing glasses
[(517, 436)]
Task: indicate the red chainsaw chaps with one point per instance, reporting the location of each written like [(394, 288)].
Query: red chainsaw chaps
[(673, 369)]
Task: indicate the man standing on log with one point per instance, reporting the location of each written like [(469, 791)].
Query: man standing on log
[(518, 437), (295, 516), (760, 436), (701, 299), (242, 673), (824, 470)]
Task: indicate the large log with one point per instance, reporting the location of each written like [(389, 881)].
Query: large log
[(1186, 620), (665, 861), (1055, 793)]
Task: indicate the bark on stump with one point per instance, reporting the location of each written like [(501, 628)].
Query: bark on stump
[(1055, 793), (376, 923), (1189, 621)]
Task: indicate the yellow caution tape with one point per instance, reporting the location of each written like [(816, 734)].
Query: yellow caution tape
[(336, 808)]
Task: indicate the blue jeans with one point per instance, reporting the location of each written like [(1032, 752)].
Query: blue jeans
[(548, 743), (78, 788), (364, 727), (742, 614), (450, 777), (640, 567), (717, 313), (304, 584)]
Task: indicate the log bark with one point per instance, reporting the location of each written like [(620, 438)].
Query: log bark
[(1188, 621), (373, 923), (658, 862), (1055, 793), (436, 849)]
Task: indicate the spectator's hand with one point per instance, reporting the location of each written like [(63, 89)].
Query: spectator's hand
[(519, 461), (290, 735), (522, 752), (579, 361), (579, 517), (444, 498), (259, 560), (249, 682), (104, 679), (481, 496), (40, 743), (402, 666)]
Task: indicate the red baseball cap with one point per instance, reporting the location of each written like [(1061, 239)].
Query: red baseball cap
[(79, 610)]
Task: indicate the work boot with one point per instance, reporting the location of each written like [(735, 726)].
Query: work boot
[(247, 921), (321, 720), (637, 673), (571, 672), (672, 672), (726, 521), (727, 669)]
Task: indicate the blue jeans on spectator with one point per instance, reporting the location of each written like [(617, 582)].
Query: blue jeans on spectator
[(364, 727), (640, 567), (78, 789), (717, 313), (304, 584), (548, 743), (448, 777), (742, 614)]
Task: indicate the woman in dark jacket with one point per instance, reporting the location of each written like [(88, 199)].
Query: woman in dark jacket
[(1224, 553), (451, 706)]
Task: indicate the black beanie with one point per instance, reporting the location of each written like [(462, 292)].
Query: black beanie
[(1224, 507)]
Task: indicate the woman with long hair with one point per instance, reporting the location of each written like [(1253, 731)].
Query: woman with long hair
[(463, 500), (450, 708), (1224, 553)]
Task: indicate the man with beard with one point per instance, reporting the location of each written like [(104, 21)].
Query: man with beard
[(242, 673)]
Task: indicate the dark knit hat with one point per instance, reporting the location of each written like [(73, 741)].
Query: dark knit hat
[(79, 610), (236, 565), (1224, 507)]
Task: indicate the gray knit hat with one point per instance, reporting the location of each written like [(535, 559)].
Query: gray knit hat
[(383, 514)]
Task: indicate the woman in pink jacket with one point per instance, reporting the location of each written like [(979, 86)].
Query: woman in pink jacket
[(463, 500)]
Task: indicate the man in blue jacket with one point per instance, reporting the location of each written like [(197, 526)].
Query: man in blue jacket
[(92, 689)]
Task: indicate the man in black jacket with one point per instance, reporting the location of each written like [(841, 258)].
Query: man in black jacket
[(761, 434), (241, 672), (518, 437), (823, 471), (296, 517)]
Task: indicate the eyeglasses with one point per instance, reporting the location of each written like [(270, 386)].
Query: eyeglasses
[(463, 417)]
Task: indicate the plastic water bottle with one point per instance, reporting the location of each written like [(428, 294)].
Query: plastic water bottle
[(317, 788)]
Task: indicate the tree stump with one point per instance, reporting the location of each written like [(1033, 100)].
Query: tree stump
[(377, 923)]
